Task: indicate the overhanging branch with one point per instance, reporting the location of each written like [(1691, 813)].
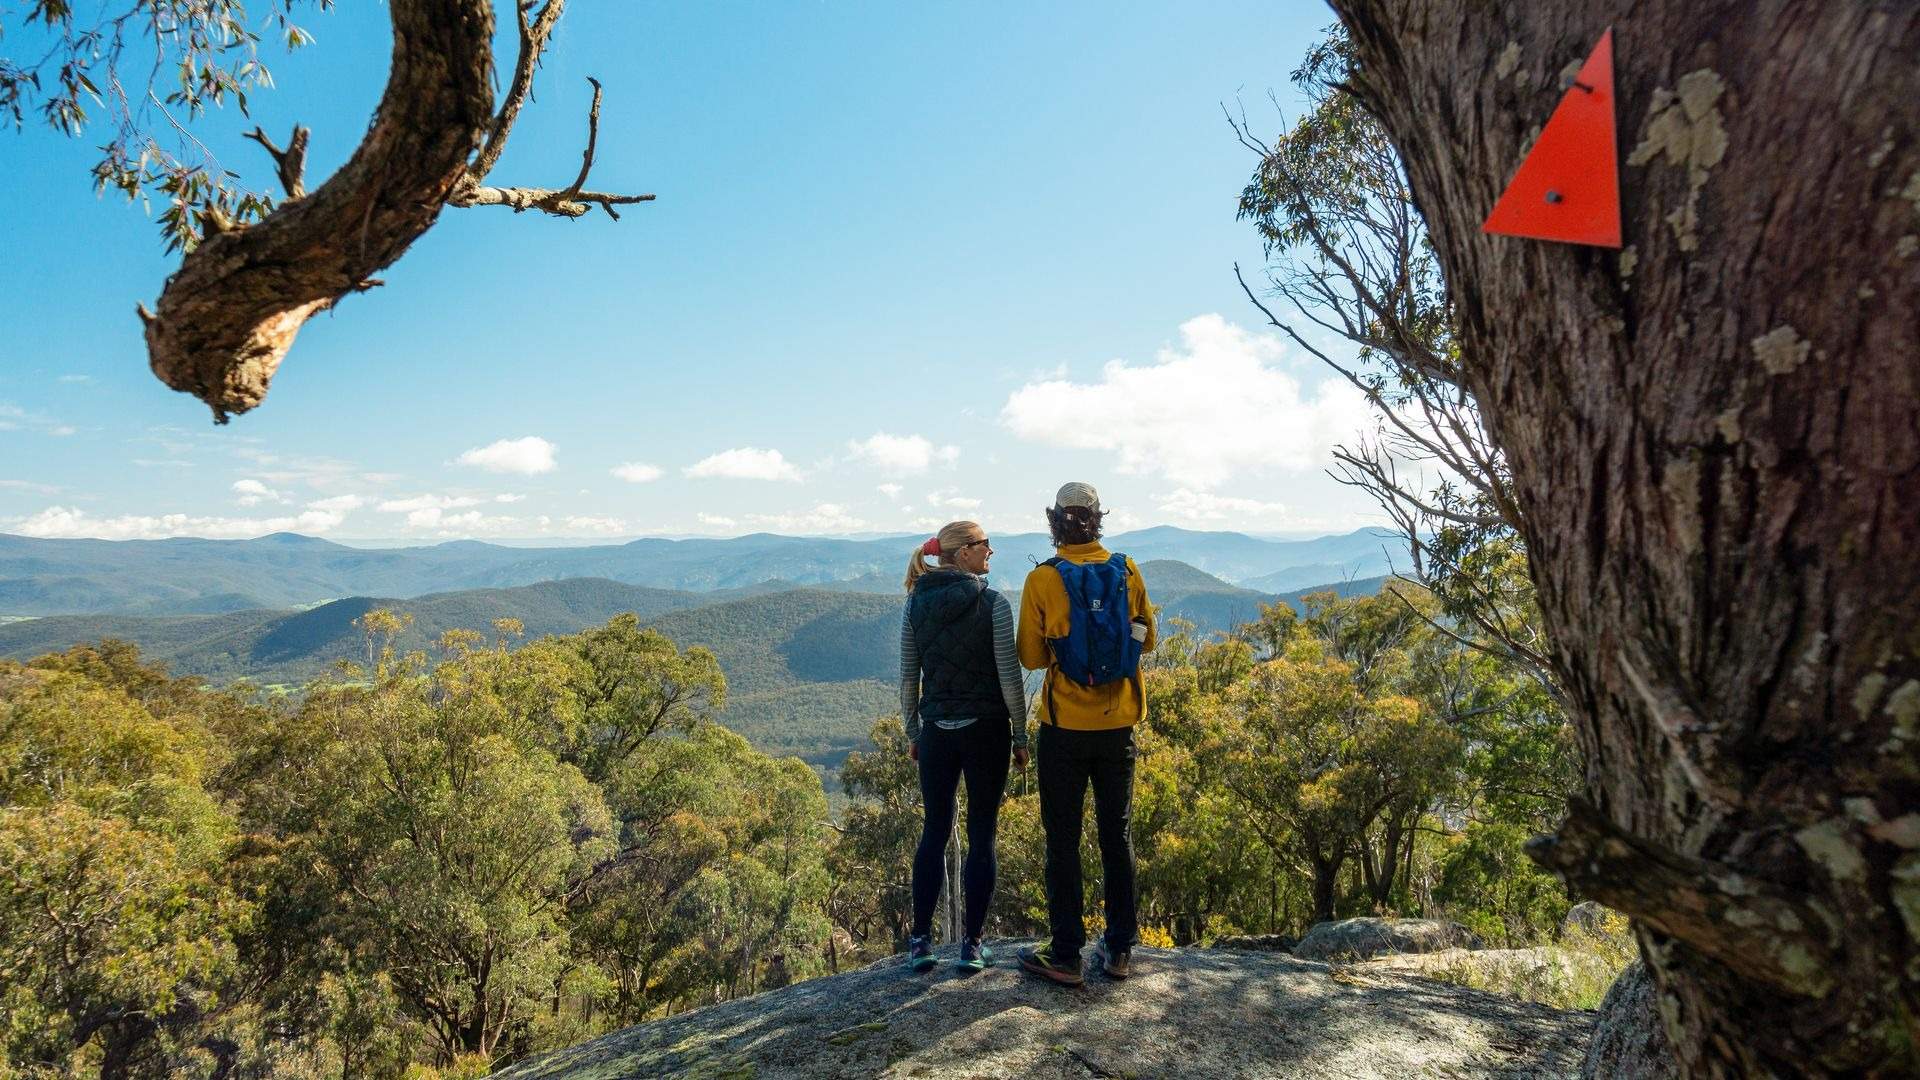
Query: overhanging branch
[(226, 319)]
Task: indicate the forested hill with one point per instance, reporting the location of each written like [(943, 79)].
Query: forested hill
[(190, 576)]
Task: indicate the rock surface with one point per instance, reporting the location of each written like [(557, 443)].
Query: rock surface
[(1185, 1013), (1362, 939), (1587, 916), (1629, 1038), (1257, 943), (1536, 974)]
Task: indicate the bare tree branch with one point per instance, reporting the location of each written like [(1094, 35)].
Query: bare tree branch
[(291, 163), (535, 30), (569, 202)]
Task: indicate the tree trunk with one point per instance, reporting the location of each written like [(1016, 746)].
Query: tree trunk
[(228, 316), (1715, 442), (1326, 880)]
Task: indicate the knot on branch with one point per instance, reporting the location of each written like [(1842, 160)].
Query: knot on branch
[(1749, 925)]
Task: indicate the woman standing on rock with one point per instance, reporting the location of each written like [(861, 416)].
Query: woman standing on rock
[(965, 710)]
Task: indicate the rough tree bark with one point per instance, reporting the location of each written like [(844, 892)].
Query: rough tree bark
[(227, 318), (1715, 440)]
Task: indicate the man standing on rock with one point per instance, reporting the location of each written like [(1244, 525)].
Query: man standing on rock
[(1084, 617)]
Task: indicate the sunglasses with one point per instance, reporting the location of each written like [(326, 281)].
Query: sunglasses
[(977, 543)]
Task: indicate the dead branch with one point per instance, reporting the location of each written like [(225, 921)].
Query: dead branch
[(535, 30), (569, 202), (291, 163)]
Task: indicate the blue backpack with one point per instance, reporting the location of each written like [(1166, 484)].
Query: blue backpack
[(1099, 647)]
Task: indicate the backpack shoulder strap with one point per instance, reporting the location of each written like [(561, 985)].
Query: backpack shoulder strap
[(1120, 560)]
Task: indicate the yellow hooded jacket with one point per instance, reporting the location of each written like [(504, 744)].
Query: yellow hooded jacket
[(1044, 613)]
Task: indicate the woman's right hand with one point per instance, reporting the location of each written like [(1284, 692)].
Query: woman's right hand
[(913, 751)]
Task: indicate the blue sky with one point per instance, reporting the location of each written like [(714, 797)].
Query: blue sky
[(908, 263)]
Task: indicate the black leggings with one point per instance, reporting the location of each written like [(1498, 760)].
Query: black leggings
[(979, 751)]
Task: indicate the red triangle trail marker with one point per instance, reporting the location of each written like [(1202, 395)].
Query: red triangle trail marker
[(1568, 188)]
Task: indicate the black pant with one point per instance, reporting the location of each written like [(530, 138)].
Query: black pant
[(980, 751), (1068, 761)]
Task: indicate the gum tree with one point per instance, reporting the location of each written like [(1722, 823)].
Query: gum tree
[(1713, 437)]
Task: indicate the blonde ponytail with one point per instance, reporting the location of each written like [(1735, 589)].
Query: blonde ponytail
[(951, 536)]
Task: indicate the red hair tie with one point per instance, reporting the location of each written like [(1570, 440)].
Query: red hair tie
[(931, 547)]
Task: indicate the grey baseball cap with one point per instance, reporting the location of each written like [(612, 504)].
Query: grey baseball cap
[(1077, 494)]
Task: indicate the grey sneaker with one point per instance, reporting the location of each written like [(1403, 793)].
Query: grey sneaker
[(975, 956), (920, 953), (1117, 963)]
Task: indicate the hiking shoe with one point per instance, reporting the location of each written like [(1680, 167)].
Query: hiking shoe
[(920, 953), (975, 956), (1117, 963), (1042, 962)]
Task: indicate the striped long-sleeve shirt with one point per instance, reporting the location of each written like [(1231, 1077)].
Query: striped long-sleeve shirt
[(1006, 659)]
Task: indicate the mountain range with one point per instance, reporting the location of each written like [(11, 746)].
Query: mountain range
[(285, 570)]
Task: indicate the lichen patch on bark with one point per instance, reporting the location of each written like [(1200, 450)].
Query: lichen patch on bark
[(1903, 705), (1781, 349), (1508, 61), (1680, 483), (1684, 126), (1906, 893), (1830, 844), (1867, 694), (1903, 831), (1728, 424)]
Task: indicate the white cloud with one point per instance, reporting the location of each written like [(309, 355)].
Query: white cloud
[(508, 498), (526, 456), (891, 491), (901, 455), (635, 472), (745, 463), (253, 493), (822, 517), (15, 418), (603, 525), (76, 378), (64, 521), (718, 521), (1194, 506), (338, 503), (950, 499), (436, 502), (1214, 407), (470, 523), (29, 485)]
